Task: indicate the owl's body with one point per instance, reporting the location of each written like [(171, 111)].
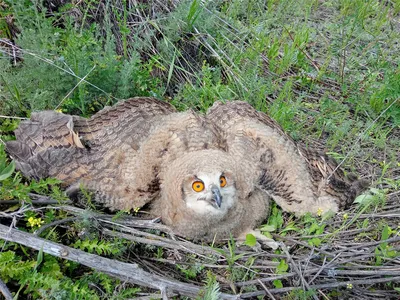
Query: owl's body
[(205, 175)]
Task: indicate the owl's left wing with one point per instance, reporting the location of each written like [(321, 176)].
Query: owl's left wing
[(128, 122), (96, 153), (298, 179)]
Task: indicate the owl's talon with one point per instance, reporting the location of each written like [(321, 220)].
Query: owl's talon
[(262, 240), (177, 256), (156, 220)]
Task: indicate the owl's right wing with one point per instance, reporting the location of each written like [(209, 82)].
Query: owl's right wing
[(298, 179)]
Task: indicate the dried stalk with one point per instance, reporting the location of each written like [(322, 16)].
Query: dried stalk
[(5, 291)]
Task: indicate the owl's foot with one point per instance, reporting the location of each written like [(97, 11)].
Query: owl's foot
[(175, 255), (262, 240)]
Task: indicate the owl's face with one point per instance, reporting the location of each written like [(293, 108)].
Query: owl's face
[(211, 192), (201, 183)]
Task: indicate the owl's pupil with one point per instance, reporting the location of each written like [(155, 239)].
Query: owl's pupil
[(198, 186)]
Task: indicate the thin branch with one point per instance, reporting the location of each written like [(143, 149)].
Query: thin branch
[(296, 269), (323, 295), (302, 51), (267, 279), (324, 266), (69, 93), (10, 117), (16, 214), (55, 223), (150, 297), (38, 201), (164, 242), (5, 291), (266, 290)]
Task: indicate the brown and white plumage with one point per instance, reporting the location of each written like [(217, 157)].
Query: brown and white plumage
[(206, 175)]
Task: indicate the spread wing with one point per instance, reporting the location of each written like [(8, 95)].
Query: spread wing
[(47, 146), (295, 177), (90, 151), (128, 122), (330, 179)]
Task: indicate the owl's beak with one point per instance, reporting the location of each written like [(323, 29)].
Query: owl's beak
[(216, 195)]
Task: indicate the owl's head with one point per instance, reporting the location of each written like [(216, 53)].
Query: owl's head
[(203, 181)]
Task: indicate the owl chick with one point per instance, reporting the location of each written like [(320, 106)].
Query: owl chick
[(207, 176)]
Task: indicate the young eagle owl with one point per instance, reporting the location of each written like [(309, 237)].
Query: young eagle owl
[(206, 175)]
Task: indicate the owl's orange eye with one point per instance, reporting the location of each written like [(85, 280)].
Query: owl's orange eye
[(198, 186), (222, 181)]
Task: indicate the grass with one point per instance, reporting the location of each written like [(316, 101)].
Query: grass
[(327, 71)]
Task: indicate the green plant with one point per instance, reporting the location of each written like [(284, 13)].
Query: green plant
[(5, 170), (212, 290), (384, 251), (208, 89), (231, 258), (374, 197), (100, 247), (190, 271)]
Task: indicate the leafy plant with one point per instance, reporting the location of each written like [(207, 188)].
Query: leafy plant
[(11, 266), (372, 196), (251, 240), (190, 271), (99, 247), (6, 170), (212, 290), (383, 250)]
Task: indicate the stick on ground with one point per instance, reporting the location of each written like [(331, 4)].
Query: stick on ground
[(131, 273)]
